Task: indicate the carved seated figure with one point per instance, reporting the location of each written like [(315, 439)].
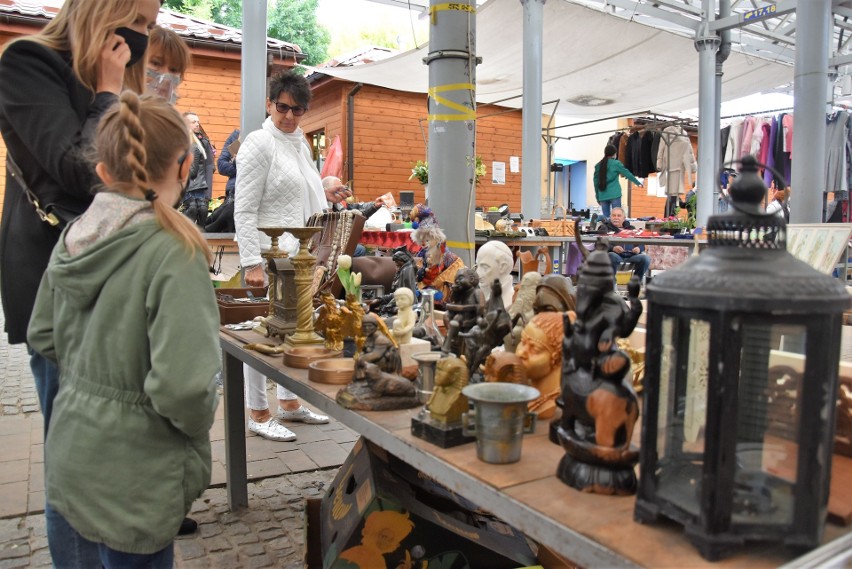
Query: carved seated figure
[(377, 385), (465, 307), (600, 408)]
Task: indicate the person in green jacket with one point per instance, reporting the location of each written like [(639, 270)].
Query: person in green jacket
[(607, 185), (127, 311)]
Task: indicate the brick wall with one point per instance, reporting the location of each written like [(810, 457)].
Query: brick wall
[(389, 137)]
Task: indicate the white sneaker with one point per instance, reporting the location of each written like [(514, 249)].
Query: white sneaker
[(272, 430), (303, 415)]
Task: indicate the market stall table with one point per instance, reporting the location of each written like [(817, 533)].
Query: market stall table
[(590, 530)]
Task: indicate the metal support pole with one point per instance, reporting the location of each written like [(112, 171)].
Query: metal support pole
[(253, 65), (531, 127), (451, 151), (706, 43), (721, 55), (810, 91)]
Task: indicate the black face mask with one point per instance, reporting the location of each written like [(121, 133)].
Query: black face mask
[(137, 43)]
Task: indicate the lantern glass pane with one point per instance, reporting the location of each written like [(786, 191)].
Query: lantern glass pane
[(682, 409), (772, 362)]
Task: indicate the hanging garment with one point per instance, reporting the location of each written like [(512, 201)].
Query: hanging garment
[(732, 153), (849, 151), (835, 152), (615, 139), (787, 126), (634, 147), (622, 148), (782, 158), (675, 159), (655, 149), (647, 161), (724, 134), (768, 176), (765, 136), (747, 136)]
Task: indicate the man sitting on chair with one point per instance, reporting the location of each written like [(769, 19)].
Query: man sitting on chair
[(627, 253)]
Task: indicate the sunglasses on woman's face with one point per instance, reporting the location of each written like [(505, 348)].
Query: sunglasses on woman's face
[(283, 109)]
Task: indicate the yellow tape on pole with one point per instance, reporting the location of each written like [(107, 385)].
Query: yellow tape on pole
[(465, 113), (449, 6), (461, 244)]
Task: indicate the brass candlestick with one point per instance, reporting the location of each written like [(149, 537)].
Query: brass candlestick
[(304, 263), (274, 252)]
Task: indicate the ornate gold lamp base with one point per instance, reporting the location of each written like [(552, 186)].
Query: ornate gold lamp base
[(304, 264)]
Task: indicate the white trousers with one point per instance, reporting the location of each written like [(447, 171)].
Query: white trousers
[(255, 387)]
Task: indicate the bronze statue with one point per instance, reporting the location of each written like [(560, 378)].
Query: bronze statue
[(329, 322), (465, 307), (489, 330), (376, 384), (447, 403), (506, 367), (554, 293), (600, 408), (353, 314), (380, 347)]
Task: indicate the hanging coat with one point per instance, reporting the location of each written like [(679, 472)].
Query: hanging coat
[(675, 159)]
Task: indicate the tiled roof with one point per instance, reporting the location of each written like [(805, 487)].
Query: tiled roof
[(188, 27)]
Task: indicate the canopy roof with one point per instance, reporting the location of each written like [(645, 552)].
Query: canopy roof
[(594, 64)]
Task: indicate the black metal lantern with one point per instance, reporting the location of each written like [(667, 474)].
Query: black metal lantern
[(741, 379)]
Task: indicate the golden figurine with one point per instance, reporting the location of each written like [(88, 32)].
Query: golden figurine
[(329, 322), (447, 402), (540, 352)]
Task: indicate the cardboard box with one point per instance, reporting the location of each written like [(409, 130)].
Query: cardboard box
[(235, 312), (372, 517)]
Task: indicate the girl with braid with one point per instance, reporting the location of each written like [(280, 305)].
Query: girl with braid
[(126, 311)]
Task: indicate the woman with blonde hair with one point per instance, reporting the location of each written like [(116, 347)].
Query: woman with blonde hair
[(168, 59), (54, 87), (130, 264)]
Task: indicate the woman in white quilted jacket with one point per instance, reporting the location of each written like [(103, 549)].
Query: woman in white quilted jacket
[(277, 186)]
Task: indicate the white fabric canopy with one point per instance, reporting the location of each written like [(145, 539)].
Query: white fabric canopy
[(586, 54)]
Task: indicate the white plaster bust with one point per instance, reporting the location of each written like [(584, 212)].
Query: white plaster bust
[(494, 261)]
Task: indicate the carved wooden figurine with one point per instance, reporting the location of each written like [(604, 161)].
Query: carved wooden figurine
[(465, 307), (521, 311), (540, 351), (600, 408), (488, 332)]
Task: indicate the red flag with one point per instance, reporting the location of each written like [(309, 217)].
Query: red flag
[(333, 165)]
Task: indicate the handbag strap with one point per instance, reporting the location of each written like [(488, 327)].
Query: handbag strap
[(15, 171)]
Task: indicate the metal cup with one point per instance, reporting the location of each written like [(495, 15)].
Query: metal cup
[(500, 412), (425, 382)]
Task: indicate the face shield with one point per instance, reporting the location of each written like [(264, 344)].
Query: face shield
[(163, 85)]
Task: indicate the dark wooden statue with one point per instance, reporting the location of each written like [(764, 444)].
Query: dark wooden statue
[(488, 332), (464, 309), (600, 408)]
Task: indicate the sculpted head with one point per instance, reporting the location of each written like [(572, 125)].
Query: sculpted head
[(540, 349), (493, 261), (403, 297), (554, 293)]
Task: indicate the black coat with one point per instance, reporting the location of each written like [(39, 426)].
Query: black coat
[(47, 119)]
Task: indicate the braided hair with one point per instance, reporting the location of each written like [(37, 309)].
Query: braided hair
[(138, 140)]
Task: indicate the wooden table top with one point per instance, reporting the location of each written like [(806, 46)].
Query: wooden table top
[(589, 529)]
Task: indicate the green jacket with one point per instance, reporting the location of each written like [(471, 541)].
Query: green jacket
[(133, 325), (612, 190)]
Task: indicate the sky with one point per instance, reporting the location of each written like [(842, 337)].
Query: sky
[(345, 19)]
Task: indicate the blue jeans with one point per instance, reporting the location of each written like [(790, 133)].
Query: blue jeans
[(46, 375), (607, 205), (70, 550), (640, 261)]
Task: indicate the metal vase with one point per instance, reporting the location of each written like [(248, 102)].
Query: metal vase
[(425, 382), (500, 411)]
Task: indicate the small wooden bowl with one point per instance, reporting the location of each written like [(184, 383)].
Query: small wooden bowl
[(337, 371), (301, 356)]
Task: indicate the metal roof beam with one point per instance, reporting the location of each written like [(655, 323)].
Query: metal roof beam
[(635, 7), (753, 16)]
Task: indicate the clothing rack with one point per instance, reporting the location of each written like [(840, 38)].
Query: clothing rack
[(768, 112)]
